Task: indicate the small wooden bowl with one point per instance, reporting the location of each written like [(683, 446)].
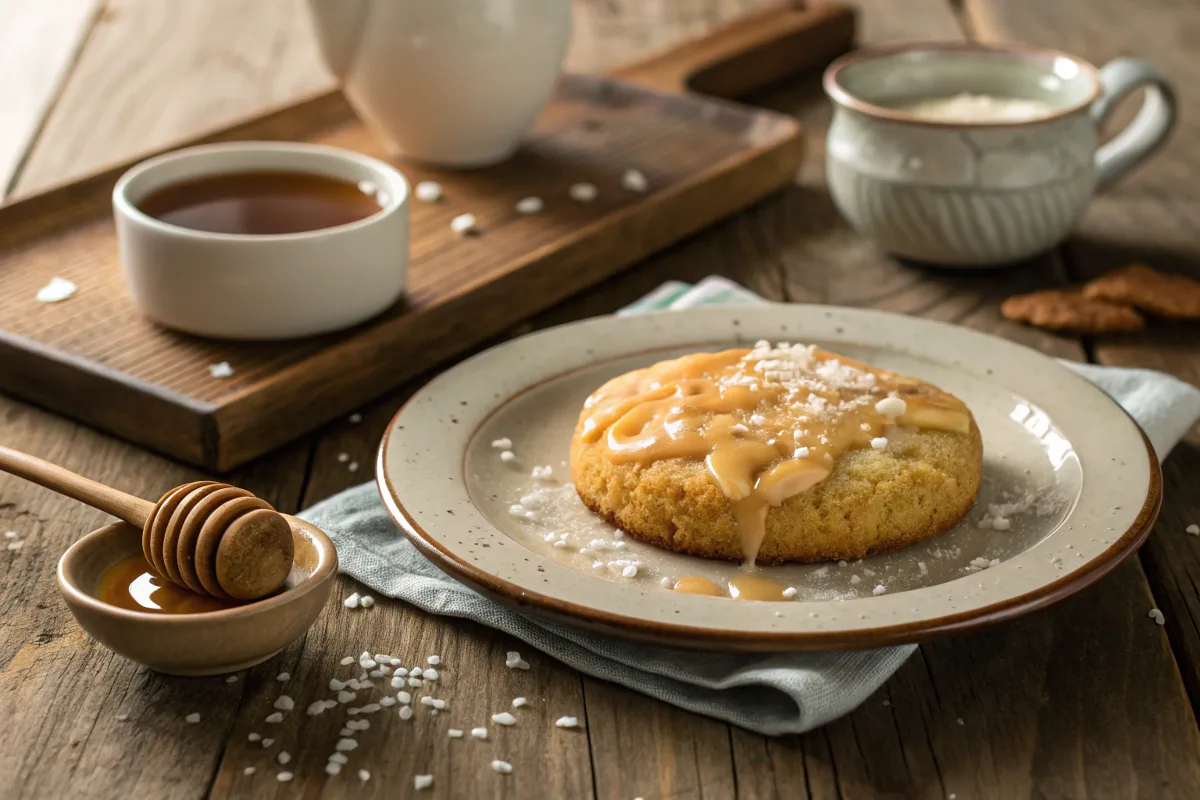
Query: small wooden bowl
[(206, 643)]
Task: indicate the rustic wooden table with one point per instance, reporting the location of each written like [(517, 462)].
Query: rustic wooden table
[(1087, 699)]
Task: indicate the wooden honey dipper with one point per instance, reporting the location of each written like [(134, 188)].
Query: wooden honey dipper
[(209, 537)]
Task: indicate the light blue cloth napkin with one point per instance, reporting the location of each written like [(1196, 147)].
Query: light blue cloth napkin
[(771, 694)]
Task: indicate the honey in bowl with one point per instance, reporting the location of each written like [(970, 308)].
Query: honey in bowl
[(132, 584), (262, 203)]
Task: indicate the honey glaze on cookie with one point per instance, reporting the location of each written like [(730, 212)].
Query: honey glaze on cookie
[(768, 423)]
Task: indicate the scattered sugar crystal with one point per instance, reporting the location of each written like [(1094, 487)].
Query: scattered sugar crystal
[(333, 768), (366, 662), (352, 602), (352, 466), (192, 718), (363, 775), (1157, 616), (878, 590), (426, 700), (855, 579), (758, 420), (221, 370), (345, 696), (433, 661), (530, 205), (634, 181), (454, 733), (879, 443), (343, 458), (629, 571), (502, 444), (479, 733), (347, 661), (566, 722), (274, 717), (284, 777), (285, 703), (11, 535), (345, 745), (504, 718), (283, 757), (404, 697), (367, 601), (417, 672), (387, 701), (415, 682), (249, 770), (231, 679), (339, 758), (57, 290), (981, 563), (370, 708), (463, 224), (1001, 523), (254, 737), (841, 563), (507, 456), (1193, 529), (355, 418), (428, 191), (122, 717), (922, 566), (514, 661), (431, 674), (583, 192), (315, 708), (789, 592), (543, 473), (519, 701), (406, 712), (665, 582), (422, 782), (266, 743), (503, 767)]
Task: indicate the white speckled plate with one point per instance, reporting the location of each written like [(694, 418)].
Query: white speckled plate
[(1070, 474)]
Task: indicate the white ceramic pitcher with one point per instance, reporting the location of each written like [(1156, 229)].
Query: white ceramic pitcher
[(450, 82)]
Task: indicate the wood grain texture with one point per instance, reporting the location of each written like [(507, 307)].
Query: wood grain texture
[(1152, 218), (154, 73), (703, 161), (38, 44)]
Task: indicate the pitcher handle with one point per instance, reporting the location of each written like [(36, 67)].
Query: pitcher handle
[(1148, 130)]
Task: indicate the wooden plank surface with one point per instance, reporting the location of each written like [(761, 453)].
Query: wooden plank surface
[(1083, 700), (1153, 218), (38, 45)]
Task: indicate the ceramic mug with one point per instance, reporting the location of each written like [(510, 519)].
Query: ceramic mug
[(454, 83), (970, 193)]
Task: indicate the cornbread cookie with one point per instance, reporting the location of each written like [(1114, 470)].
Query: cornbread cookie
[(1066, 310), (1159, 293), (776, 454)]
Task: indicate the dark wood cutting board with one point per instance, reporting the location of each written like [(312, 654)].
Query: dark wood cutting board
[(93, 358)]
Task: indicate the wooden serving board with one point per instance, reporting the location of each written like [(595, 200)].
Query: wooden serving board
[(93, 358)]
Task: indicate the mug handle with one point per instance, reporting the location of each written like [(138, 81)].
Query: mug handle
[(1147, 131)]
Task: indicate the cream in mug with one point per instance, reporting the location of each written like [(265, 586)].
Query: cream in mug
[(977, 108)]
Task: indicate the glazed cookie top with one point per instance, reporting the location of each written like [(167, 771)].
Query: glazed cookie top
[(768, 423)]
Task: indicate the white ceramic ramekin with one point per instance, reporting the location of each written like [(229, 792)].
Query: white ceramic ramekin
[(234, 286)]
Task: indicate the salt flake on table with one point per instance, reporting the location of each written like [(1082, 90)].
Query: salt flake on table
[(583, 192), (221, 370), (428, 191), (57, 290), (634, 181), (530, 205), (192, 718)]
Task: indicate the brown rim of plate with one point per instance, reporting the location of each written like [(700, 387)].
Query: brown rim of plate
[(843, 97), (694, 637), (326, 570)]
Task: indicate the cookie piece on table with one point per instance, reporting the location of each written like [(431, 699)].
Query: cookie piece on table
[(1069, 310), (1159, 293)]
